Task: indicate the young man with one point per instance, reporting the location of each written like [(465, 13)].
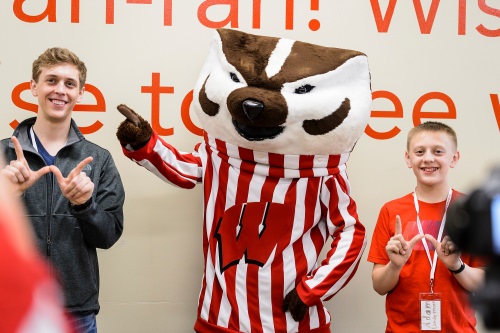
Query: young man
[(71, 187), (425, 277)]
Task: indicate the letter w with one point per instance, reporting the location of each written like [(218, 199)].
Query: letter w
[(253, 230), (383, 22)]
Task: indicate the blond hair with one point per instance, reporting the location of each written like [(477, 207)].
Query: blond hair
[(55, 56), (432, 126)]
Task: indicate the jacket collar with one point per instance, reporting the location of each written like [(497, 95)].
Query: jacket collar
[(21, 133)]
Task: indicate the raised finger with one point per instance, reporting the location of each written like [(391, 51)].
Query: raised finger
[(399, 228), (17, 148), (78, 169)]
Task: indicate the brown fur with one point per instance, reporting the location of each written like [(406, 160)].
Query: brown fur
[(250, 54), (129, 133)]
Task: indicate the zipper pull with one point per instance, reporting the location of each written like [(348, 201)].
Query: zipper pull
[(49, 243)]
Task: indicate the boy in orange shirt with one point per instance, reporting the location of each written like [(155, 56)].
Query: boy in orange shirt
[(425, 277)]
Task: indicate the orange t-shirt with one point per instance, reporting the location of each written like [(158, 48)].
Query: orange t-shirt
[(403, 302)]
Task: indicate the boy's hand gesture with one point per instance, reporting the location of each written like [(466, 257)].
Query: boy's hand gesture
[(446, 250), (398, 249), (19, 173), (77, 187)]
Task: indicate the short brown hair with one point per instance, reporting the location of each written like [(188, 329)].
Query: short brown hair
[(432, 126), (55, 56)]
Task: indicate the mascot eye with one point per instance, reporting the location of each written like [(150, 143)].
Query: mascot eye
[(304, 89), (234, 77)]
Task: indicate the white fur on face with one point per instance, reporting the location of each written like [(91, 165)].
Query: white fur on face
[(349, 81), (278, 57)]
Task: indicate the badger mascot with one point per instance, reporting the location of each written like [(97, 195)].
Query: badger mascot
[(280, 118)]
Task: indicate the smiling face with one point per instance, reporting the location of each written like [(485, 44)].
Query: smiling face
[(431, 154), (57, 90)]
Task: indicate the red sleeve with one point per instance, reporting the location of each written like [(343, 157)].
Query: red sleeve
[(168, 163), (349, 241)]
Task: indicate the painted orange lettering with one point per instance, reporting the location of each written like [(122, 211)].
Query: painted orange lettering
[(418, 114), (382, 22), (496, 108), (425, 24), (156, 90), (100, 105), (490, 11), (49, 12), (232, 16), (167, 12), (186, 117), (289, 14), (256, 14), (16, 97), (75, 11), (396, 113), (167, 9), (20, 103), (462, 15), (110, 11)]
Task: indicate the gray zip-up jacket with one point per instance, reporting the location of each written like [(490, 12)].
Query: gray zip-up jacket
[(68, 235)]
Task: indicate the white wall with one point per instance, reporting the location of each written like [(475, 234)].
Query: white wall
[(151, 277)]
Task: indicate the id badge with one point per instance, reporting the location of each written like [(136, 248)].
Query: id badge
[(430, 311)]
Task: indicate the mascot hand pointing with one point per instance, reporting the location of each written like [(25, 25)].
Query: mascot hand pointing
[(134, 132)]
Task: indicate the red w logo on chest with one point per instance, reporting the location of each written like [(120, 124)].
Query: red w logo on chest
[(253, 230)]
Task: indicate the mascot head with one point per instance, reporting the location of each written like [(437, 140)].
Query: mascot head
[(283, 96)]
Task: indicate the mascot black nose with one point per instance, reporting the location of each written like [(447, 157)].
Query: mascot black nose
[(252, 108)]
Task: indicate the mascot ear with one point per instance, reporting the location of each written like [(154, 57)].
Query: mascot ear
[(134, 131)]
